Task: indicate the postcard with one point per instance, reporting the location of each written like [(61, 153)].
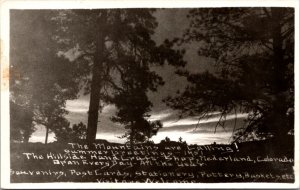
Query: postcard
[(141, 94)]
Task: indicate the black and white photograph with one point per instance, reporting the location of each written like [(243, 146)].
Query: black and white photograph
[(176, 95)]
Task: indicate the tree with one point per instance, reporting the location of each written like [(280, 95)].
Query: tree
[(65, 133), (50, 112), (21, 123), (132, 101), (40, 80), (105, 39), (253, 53)]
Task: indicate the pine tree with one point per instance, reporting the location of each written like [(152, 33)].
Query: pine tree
[(106, 39), (252, 50), (40, 80)]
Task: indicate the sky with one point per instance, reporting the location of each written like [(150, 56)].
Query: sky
[(171, 24)]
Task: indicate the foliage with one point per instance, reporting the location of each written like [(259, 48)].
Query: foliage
[(252, 50), (65, 133), (116, 45), (132, 101), (21, 123), (165, 141), (40, 80)]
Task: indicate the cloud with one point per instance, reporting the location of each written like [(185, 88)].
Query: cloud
[(109, 110), (160, 115), (111, 137), (77, 106), (195, 121)]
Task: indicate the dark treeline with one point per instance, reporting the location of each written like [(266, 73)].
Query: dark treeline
[(112, 52), (109, 53), (252, 50)]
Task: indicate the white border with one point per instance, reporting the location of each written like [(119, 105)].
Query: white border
[(88, 4)]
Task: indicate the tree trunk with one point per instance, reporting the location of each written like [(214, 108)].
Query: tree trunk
[(29, 122), (26, 137), (47, 133), (96, 81), (278, 52), (280, 69)]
